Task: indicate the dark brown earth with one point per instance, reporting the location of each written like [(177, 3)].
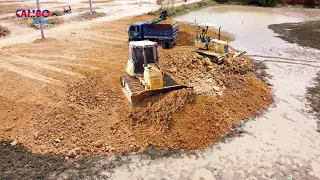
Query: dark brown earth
[(305, 34), (313, 96), (16, 162)]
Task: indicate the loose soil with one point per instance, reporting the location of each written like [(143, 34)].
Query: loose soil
[(305, 34), (70, 102)]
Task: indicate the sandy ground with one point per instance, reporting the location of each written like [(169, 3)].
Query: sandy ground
[(265, 151), (81, 97)]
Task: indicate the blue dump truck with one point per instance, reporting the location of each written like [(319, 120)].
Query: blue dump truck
[(165, 34)]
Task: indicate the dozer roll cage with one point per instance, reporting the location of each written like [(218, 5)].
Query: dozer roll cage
[(207, 25)]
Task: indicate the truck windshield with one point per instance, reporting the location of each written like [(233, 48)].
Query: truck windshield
[(134, 28)]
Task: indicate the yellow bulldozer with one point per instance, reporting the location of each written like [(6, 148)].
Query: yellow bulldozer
[(209, 46), (144, 77)]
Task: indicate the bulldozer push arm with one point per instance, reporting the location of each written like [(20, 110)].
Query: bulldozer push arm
[(135, 91)]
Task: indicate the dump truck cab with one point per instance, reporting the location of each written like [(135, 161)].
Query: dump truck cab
[(165, 33), (135, 31)]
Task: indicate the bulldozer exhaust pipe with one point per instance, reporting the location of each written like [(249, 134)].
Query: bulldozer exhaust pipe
[(219, 34)]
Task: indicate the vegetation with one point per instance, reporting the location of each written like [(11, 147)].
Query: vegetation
[(4, 31), (310, 3)]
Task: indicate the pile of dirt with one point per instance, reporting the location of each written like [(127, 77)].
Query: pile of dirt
[(94, 92), (56, 21), (46, 40), (201, 72), (89, 16), (167, 21), (305, 34), (209, 118), (86, 121), (4, 31), (156, 112), (313, 96)]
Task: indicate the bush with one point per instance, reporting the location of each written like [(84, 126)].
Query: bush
[(268, 3), (4, 31), (264, 3), (310, 3)]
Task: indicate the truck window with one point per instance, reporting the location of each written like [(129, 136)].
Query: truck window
[(134, 28)]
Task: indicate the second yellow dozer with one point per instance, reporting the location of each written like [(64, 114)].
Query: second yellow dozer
[(144, 77), (212, 47)]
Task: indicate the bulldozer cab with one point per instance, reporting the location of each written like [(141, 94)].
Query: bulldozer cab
[(143, 53), (206, 26), (144, 77)]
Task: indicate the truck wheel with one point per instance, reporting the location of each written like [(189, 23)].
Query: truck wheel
[(162, 44)]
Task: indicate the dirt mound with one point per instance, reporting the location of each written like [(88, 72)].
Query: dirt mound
[(209, 118), (46, 40), (88, 16), (167, 21), (185, 39), (4, 31), (200, 72), (94, 92), (62, 128), (157, 111)]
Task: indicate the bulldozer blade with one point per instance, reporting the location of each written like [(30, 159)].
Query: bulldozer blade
[(135, 91), (219, 57)]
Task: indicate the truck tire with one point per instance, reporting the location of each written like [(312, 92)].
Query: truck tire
[(162, 44)]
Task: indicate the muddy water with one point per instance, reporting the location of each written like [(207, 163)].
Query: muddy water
[(283, 142)]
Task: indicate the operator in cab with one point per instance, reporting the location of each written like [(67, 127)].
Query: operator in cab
[(203, 35)]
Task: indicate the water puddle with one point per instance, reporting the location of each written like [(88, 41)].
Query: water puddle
[(248, 25)]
